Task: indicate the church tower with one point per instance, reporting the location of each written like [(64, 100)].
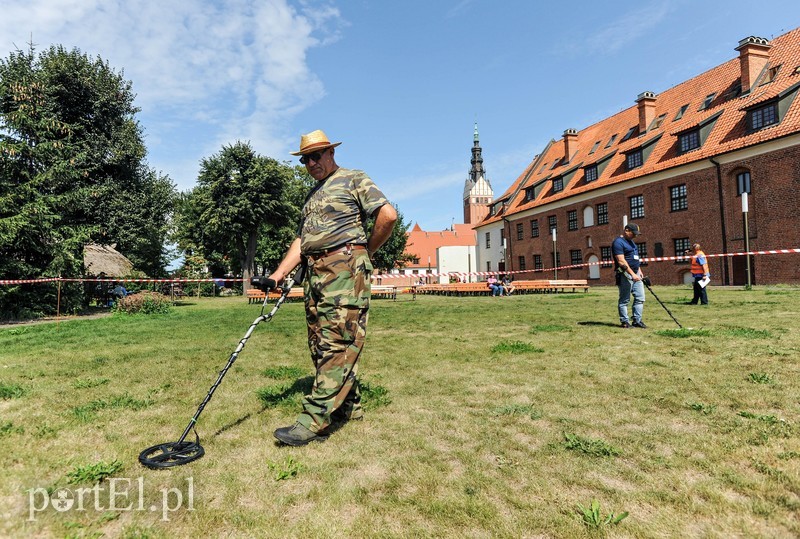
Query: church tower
[(478, 192)]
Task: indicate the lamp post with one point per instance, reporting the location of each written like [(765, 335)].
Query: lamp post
[(555, 258), (745, 211), (428, 277)]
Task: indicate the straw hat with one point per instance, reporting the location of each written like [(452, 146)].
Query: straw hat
[(316, 140)]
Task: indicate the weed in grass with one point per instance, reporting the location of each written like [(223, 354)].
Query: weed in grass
[(768, 419), (286, 470), (517, 410), (11, 391), (683, 333), (284, 372), (516, 347), (44, 431), (273, 396), (99, 360), (541, 328), (374, 396), (770, 471), (760, 378), (789, 455), (593, 517), (706, 409), (746, 333), (9, 428), (87, 383), (587, 446), (93, 473)]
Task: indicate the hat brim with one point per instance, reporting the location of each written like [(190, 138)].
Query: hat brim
[(315, 147)]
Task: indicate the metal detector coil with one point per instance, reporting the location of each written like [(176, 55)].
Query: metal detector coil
[(171, 454)]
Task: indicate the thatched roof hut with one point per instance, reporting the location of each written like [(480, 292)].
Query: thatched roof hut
[(105, 259)]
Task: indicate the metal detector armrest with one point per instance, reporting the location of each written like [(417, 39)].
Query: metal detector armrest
[(263, 283)]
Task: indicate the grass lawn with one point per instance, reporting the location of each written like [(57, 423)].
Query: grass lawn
[(526, 416)]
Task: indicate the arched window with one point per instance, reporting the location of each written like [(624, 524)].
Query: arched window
[(588, 216)]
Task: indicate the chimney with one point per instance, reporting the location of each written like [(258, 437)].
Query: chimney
[(647, 110), (570, 144), (753, 56)]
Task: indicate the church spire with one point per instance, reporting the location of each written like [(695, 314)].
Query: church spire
[(477, 189), (477, 161)]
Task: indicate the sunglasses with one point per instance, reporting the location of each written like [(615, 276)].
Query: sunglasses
[(304, 159)]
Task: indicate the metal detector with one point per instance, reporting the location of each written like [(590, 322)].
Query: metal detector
[(182, 452), (646, 282)]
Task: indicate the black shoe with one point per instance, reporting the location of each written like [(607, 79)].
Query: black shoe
[(625, 325), (297, 435), (639, 324)]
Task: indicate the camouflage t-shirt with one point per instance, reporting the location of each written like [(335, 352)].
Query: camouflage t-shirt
[(337, 209)]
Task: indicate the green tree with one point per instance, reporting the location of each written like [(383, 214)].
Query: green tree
[(72, 171), (274, 241), (392, 253), (239, 194)]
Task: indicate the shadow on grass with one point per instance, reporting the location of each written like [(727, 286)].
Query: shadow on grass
[(271, 397), (594, 323)]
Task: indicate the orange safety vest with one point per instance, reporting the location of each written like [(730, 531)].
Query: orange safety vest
[(697, 268)]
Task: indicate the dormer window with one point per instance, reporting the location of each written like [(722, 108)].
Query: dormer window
[(681, 111), (629, 134), (769, 75), (707, 101), (558, 184), (634, 159), (689, 141), (594, 148), (763, 116), (590, 173), (656, 123), (611, 140)]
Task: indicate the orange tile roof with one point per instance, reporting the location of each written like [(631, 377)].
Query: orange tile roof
[(423, 244), (729, 132)]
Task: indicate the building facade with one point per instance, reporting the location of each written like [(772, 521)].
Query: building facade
[(677, 164)]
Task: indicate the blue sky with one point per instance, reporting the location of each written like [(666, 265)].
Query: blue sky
[(401, 84)]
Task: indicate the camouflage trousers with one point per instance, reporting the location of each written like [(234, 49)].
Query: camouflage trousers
[(337, 294)]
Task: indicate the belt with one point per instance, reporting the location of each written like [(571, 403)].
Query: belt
[(338, 249)]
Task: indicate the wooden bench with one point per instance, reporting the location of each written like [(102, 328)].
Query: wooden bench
[(295, 293), (255, 295), (552, 285), (517, 287), (384, 291)]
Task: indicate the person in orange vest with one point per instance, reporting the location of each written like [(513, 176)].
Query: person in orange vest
[(700, 273)]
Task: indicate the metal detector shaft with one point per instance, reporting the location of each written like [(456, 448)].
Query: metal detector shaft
[(287, 287), (647, 284)]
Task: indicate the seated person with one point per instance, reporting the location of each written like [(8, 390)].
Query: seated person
[(495, 286), (508, 287), (119, 291)]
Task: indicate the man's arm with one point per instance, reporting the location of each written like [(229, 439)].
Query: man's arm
[(290, 260), (637, 276), (385, 218)]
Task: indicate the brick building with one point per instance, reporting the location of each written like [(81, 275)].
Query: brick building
[(676, 163)]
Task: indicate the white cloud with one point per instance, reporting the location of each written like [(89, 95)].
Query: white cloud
[(234, 69)]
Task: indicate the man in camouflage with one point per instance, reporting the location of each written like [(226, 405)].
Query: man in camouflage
[(332, 240)]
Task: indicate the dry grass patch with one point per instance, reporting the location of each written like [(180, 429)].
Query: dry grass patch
[(484, 419)]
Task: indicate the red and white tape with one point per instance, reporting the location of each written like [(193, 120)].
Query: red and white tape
[(396, 275)]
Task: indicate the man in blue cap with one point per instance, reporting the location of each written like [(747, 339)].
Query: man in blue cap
[(629, 276)]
